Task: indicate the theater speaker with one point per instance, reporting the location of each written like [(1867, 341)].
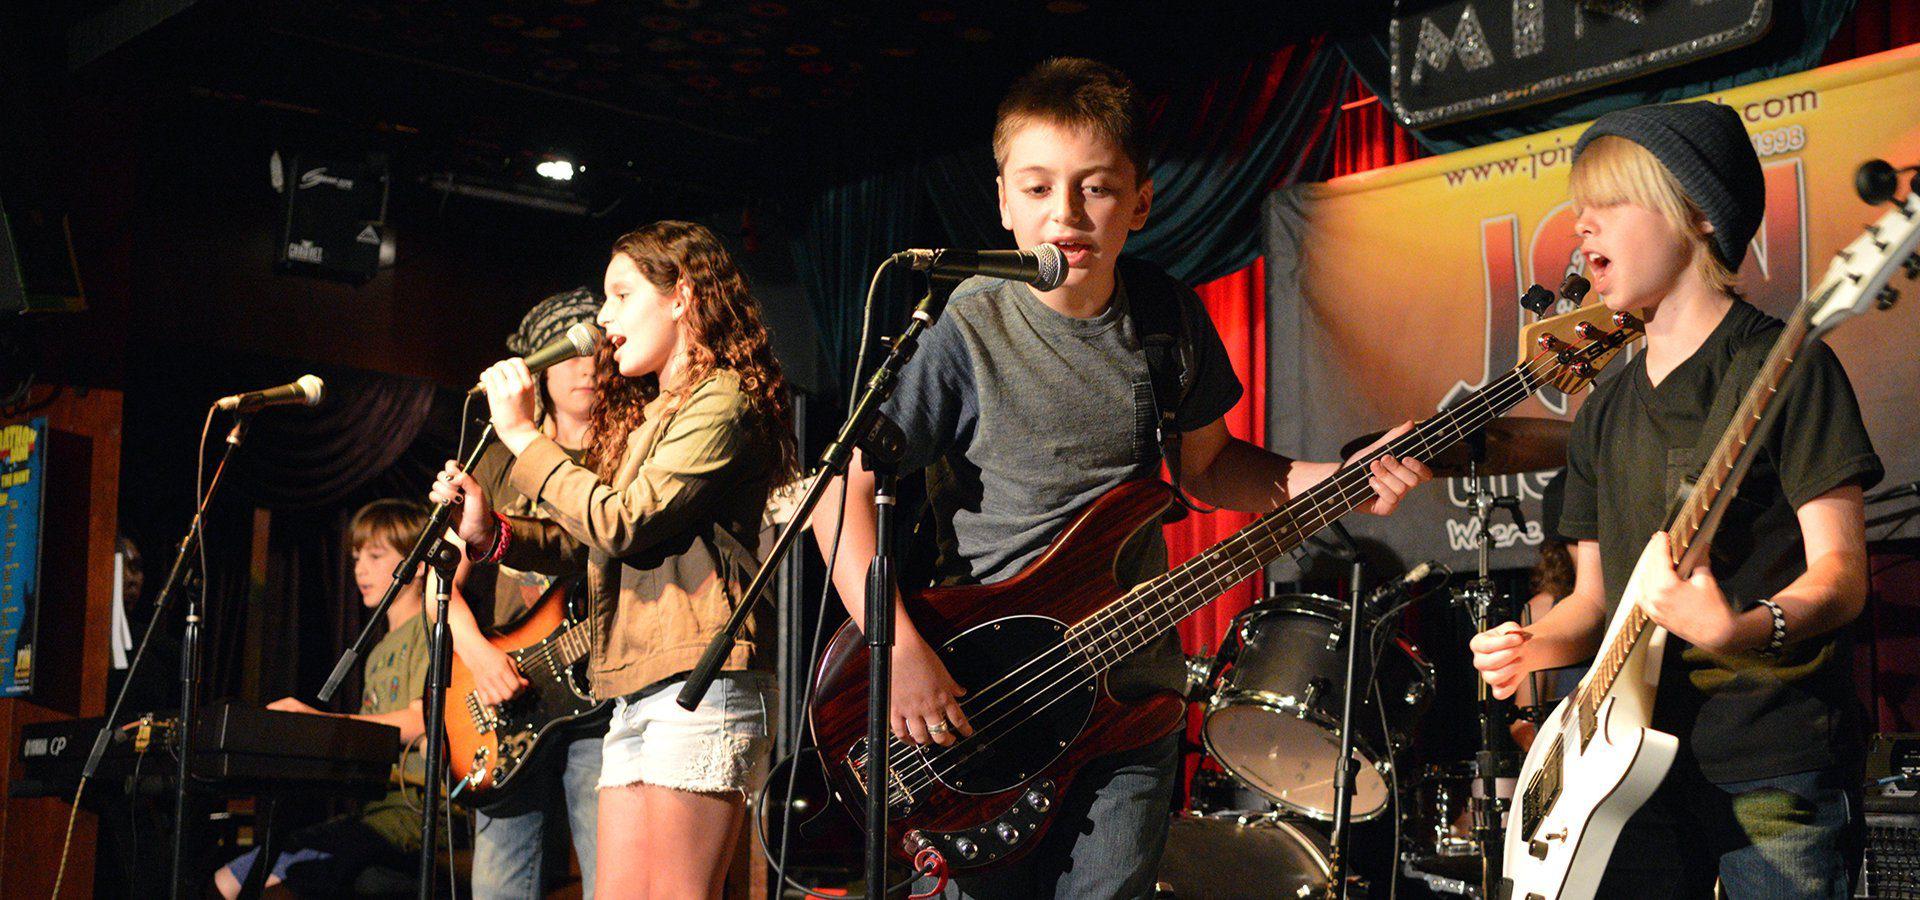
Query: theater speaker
[(336, 210)]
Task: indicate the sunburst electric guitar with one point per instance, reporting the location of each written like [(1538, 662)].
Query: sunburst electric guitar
[(1596, 758), (1033, 651)]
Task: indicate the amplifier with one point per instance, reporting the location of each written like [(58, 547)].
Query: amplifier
[(1891, 867)]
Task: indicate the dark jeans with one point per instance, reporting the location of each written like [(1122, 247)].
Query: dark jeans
[(1106, 837), (325, 860), (1787, 837)]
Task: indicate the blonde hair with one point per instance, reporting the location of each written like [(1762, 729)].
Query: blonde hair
[(1613, 170), (396, 523)]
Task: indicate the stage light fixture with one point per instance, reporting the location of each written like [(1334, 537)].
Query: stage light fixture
[(556, 169)]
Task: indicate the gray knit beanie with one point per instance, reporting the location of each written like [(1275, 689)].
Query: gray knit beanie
[(1706, 148)]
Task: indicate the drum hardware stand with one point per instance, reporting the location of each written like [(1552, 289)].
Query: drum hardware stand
[(1496, 758), (1345, 768), (881, 444)]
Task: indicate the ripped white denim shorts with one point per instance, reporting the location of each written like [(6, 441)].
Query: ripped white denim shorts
[(721, 746)]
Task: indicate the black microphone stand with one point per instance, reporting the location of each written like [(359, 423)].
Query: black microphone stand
[(445, 560), (189, 672), (878, 439), (1345, 767), (429, 547)]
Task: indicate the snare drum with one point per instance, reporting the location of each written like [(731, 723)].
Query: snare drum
[(1274, 721)]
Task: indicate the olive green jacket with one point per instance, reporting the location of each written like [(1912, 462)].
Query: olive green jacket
[(668, 543)]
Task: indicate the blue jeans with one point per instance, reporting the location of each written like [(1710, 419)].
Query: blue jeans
[(508, 851), (1791, 837), (1106, 838)]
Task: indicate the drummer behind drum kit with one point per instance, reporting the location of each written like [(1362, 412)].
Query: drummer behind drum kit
[(1273, 698)]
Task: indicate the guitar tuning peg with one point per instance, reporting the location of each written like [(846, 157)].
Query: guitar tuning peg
[(1627, 321), (1536, 300), (1552, 344), (1912, 265), (1586, 330), (1887, 297), (1574, 289)]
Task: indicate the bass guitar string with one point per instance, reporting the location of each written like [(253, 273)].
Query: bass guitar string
[(1415, 442)]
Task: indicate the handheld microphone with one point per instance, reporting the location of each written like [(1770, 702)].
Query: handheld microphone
[(583, 339), (305, 390), (1044, 267), (1400, 586)]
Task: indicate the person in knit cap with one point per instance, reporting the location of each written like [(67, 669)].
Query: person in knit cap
[(509, 847), (1755, 681)]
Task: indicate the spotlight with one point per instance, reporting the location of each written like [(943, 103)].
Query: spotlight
[(556, 169)]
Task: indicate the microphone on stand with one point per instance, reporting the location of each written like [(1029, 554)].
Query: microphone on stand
[(1402, 586), (1044, 266), (583, 339), (305, 390)]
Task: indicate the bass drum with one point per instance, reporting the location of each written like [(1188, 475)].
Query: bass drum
[(1226, 857)]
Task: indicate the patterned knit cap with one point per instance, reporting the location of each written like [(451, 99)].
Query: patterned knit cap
[(550, 318)]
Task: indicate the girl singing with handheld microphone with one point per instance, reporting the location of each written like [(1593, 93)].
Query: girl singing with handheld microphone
[(690, 432)]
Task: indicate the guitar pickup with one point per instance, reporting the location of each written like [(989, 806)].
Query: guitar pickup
[(485, 718)]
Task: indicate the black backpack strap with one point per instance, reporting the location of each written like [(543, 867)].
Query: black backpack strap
[(1156, 322)]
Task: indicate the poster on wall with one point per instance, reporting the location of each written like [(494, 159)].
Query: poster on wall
[(22, 494), (1393, 292)]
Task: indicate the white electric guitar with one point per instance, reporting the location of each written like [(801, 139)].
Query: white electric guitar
[(1595, 760)]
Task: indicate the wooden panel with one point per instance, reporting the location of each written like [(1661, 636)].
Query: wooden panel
[(83, 470)]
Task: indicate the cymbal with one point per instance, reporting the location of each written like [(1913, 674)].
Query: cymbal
[(1514, 444)]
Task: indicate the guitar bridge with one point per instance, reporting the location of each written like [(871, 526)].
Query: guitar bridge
[(899, 797)]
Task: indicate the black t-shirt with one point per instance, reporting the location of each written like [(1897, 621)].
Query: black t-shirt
[(1634, 454)]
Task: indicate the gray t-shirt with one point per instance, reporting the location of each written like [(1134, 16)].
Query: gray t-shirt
[(1026, 416)]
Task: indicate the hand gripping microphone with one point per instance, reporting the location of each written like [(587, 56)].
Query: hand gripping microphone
[(583, 339), (305, 390), (1044, 267)]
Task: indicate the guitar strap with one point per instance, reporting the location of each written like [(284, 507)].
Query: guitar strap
[(1156, 322), (1726, 401)]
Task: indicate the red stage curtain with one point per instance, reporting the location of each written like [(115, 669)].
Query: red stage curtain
[(1238, 304)]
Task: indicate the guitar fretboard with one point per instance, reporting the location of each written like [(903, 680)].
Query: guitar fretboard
[(1157, 605)]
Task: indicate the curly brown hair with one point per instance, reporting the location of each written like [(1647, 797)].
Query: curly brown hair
[(725, 331), (1553, 574)]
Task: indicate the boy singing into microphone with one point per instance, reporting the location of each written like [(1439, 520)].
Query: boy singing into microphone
[(1031, 405)]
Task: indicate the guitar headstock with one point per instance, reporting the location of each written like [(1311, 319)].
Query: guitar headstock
[(1857, 280), (1568, 351)]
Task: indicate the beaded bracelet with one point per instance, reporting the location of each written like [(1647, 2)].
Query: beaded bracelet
[(1776, 644)]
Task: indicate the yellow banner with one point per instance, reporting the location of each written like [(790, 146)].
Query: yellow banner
[(1394, 290)]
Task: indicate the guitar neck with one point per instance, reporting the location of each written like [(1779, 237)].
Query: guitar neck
[(570, 644), (1157, 605), (1692, 528)]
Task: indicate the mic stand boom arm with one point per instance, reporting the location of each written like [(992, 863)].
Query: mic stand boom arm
[(423, 549), (867, 428)]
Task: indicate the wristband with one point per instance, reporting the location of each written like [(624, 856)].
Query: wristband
[(502, 536), (1777, 643)]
